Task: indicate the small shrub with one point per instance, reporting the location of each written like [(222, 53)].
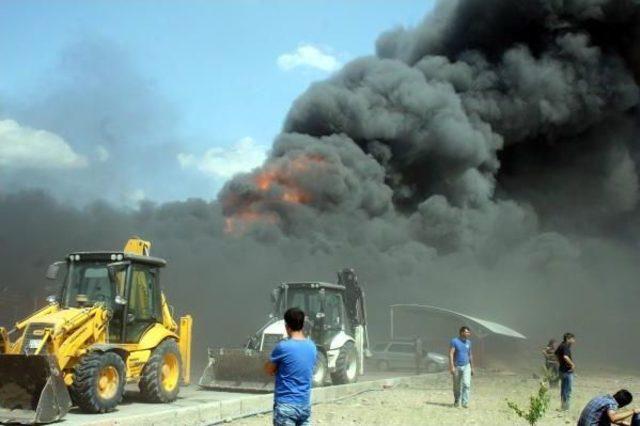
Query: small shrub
[(538, 405)]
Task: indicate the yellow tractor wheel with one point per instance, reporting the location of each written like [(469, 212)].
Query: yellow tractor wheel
[(161, 375), (98, 383)]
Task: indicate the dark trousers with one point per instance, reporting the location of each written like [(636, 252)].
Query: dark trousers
[(635, 420), (553, 374)]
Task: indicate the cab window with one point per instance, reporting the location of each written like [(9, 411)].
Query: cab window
[(142, 300), (333, 310), (89, 284), (144, 307), (307, 300)]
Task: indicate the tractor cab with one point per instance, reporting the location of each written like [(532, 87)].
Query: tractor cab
[(126, 284), (322, 303)]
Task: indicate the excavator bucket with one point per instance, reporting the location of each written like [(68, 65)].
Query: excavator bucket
[(31, 390), (237, 369)]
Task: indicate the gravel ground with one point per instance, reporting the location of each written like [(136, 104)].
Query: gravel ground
[(429, 403)]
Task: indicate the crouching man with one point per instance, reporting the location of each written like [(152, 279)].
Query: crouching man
[(292, 362), (606, 410)]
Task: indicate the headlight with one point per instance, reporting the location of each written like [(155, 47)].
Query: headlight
[(34, 343)]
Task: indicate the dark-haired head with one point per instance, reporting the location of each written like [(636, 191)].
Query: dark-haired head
[(623, 397), (552, 342), (464, 331), (294, 319), (567, 337)]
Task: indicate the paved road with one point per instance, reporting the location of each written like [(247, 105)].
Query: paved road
[(189, 396)]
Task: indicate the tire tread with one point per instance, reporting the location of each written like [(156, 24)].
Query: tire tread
[(150, 381), (83, 390)]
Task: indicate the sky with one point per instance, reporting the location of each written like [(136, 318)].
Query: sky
[(196, 89)]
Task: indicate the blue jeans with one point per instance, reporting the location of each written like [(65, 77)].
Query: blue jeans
[(566, 384), (291, 414), (462, 385), (635, 420)]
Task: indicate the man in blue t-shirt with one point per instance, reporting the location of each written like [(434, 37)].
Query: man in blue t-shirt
[(292, 361), (461, 367)]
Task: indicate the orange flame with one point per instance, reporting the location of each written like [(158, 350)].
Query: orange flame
[(283, 176)]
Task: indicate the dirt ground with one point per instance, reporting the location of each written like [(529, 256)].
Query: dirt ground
[(430, 402)]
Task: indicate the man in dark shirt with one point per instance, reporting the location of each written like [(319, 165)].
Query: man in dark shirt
[(605, 410), (566, 367)]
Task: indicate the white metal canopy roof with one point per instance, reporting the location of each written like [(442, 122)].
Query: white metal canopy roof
[(491, 326)]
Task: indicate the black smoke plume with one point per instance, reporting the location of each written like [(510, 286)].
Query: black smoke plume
[(496, 135)]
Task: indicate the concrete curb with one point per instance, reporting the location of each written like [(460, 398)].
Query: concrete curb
[(215, 412)]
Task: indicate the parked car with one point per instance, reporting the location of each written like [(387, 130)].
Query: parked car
[(398, 355)]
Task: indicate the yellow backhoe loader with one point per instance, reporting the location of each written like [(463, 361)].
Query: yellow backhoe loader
[(110, 325)]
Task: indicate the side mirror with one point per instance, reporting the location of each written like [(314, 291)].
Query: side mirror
[(52, 270), (121, 301), (52, 299), (274, 295)]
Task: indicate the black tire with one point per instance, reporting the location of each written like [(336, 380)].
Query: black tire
[(88, 391), (345, 364), (320, 370), (383, 365), (154, 386)]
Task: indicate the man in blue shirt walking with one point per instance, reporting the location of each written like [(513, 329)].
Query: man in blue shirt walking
[(461, 367), (292, 361)]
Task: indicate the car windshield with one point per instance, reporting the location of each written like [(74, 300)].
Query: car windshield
[(88, 283), (402, 348), (380, 347)]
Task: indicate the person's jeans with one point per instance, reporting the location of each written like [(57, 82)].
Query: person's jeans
[(291, 414), (635, 420), (462, 384), (566, 384)]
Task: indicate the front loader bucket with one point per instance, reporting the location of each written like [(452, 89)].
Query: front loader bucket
[(237, 369), (31, 390)]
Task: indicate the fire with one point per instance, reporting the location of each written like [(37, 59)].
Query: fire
[(265, 179), (283, 176)]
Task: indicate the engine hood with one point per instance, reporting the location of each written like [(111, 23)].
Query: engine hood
[(58, 319)]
